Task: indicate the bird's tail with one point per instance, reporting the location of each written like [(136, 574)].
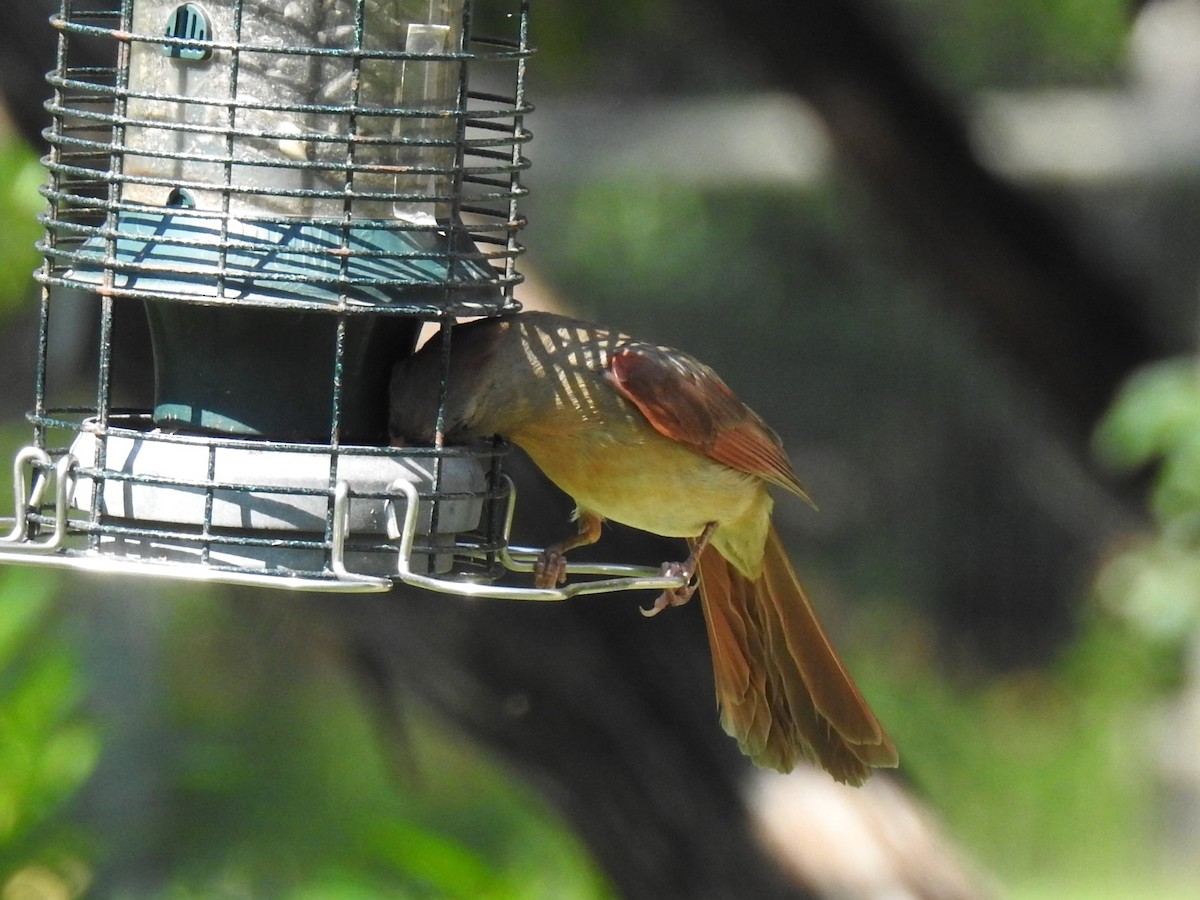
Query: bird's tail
[(783, 691)]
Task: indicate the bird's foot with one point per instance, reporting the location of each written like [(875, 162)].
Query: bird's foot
[(686, 571), (675, 596), (550, 568)]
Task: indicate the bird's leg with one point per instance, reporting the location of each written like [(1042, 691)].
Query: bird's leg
[(550, 570), (685, 570)]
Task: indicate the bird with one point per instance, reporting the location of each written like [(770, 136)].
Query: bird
[(650, 437)]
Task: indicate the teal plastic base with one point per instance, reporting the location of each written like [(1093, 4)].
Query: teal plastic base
[(270, 373)]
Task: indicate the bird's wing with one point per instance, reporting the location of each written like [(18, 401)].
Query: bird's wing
[(688, 402)]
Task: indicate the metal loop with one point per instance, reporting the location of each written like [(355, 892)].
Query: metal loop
[(616, 577), (22, 503), (518, 559), (64, 484), (339, 531)]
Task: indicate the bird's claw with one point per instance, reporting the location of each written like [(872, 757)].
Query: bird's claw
[(674, 596), (550, 569)]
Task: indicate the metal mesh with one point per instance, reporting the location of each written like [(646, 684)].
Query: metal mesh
[(315, 156), (332, 174)]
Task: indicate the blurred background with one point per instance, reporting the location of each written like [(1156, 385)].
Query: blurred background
[(948, 249)]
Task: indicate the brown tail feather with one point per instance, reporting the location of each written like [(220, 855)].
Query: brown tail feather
[(783, 691)]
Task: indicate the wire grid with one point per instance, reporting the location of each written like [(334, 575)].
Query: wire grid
[(342, 167), (98, 204)]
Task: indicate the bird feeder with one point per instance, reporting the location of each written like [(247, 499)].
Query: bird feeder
[(275, 196)]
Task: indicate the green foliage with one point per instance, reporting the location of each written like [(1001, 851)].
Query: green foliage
[(1156, 420), (577, 42), (1022, 43), (20, 175), (964, 45), (282, 787), (1016, 765), (47, 749)]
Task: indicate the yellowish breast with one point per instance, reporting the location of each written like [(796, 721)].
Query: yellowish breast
[(629, 473)]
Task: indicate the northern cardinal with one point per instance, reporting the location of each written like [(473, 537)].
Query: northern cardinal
[(652, 438)]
